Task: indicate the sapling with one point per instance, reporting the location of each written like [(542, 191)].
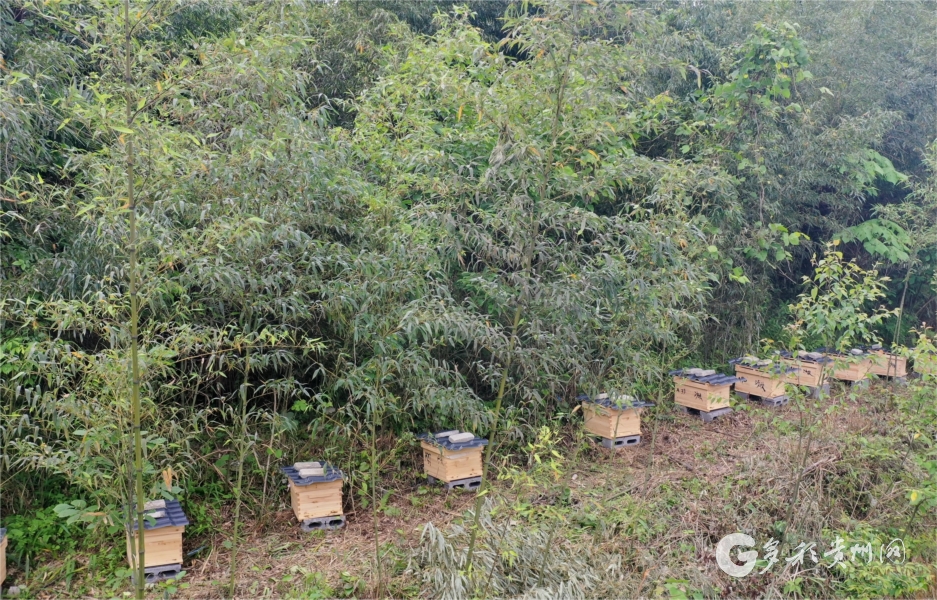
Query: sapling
[(833, 309)]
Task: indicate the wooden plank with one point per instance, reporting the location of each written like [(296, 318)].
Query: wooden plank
[(889, 365), (808, 373), (611, 423), (700, 395), (163, 546), (451, 465), (316, 499), (759, 383)]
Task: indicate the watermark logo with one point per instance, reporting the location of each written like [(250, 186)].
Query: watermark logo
[(804, 553), (724, 557)]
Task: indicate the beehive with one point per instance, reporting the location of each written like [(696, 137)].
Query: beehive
[(926, 364), (703, 390), (613, 418), (449, 460), (812, 368), (762, 378), (3, 555), (315, 490), (855, 366), (162, 539), (886, 364)]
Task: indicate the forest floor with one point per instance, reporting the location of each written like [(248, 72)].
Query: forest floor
[(647, 517)]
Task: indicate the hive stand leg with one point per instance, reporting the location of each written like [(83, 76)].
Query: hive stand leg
[(862, 384), (622, 442), (743, 395), (159, 573), (776, 401), (469, 483), (323, 523), (816, 391), (709, 417)]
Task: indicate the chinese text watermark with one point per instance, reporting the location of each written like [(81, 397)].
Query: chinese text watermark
[(804, 554)]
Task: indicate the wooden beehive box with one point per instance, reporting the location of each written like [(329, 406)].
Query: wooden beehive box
[(703, 390), (762, 378), (926, 364), (315, 490), (887, 364), (451, 461), (612, 419), (851, 367), (812, 368), (162, 535), (3, 555)]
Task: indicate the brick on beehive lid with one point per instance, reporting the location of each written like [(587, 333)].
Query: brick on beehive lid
[(315, 492), (449, 456), (761, 377), (702, 389), (163, 526), (612, 417), (3, 555)]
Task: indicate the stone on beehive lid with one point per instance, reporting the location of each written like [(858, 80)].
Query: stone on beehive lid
[(311, 472), (458, 438), (306, 465), (445, 434)]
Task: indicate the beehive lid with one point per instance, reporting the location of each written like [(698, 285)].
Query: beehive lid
[(708, 377), (764, 365), (329, 473), (877, 348), (855, 352), (443, 440), (619, 402), (162, 513), (814, 357)]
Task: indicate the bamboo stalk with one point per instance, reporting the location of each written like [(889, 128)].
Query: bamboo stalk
[(232, 585), (134, 314)]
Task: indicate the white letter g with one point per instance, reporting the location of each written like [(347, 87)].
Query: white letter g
[(724, 559)]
